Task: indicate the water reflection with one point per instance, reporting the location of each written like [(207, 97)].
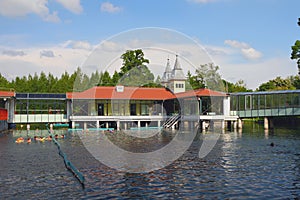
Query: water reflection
[(241, 165)]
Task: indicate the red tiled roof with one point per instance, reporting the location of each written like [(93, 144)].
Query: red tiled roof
[(7, 94), (138, 93), (200, 93)]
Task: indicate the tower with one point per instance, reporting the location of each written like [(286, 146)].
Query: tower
[(177, 80), (167, 74)]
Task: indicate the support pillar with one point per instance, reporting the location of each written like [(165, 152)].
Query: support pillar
[(139, 124), (235, 125), (125, 125), (223, 124), (268, 123), (118, 125), (106, 125), (85, 126), (97, 124), (28, 127), (240, 123), (73, 124), (158, 123)]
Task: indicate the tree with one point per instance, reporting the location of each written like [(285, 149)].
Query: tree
[(4, 83), (295, 55), (115, 78), (207, 75), (105, 79), (195, 82), (239, 86), (277, 84), (138, 76), (132, 59)]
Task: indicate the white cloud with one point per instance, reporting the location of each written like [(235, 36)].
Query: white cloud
[(245, 49), (110, 8), (236, 44), (77, 45), (71, 5), (19, 8), (251, 53), (110, 46)]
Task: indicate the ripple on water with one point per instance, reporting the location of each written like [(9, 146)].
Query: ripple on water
[(240, 166)]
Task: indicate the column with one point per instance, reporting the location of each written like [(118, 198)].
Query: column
[(266, 123), (84, 126), (97, 124), (223, 124), (118, 125), (139, 124), (73, 124), (240, 123)]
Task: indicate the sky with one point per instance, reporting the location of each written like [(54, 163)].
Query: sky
[(248, 40)]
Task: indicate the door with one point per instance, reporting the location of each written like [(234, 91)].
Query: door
[(132, 109), (100, 109)]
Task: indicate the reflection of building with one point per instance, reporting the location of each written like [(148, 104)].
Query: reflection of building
[(174, 79)]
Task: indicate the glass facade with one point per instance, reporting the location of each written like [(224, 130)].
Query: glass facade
[(270, 103), (117, 107)]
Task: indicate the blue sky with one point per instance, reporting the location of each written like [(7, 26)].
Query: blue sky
[(249, 40)]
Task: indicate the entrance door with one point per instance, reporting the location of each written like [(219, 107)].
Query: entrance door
[(100, 109), (132, 109)]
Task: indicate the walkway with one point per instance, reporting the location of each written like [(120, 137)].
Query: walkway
[(265, 104)]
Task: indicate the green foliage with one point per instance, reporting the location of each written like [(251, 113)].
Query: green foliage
[(132, 59), (207, 76), (4, 83), (195, 82), (277, 84), (105, 79), (137, 76), (295, 55), (239, 86)]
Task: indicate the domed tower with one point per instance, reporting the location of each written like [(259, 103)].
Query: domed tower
[(177, 79)]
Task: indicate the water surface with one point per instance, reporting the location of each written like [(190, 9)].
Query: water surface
[(242, 165)]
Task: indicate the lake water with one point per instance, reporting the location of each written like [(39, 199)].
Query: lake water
[(242, 165)]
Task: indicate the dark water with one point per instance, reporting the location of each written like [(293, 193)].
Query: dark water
[(241, 166)]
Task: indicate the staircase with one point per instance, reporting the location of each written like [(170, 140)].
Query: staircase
[(171, 121)]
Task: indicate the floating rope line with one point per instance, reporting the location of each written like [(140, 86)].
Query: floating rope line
[(68, 163)]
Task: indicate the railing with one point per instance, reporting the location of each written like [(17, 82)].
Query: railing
[(171, 121), (39, 118)]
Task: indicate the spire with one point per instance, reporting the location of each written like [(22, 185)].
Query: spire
[(167, 72), (177, 72), (177, 64)]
